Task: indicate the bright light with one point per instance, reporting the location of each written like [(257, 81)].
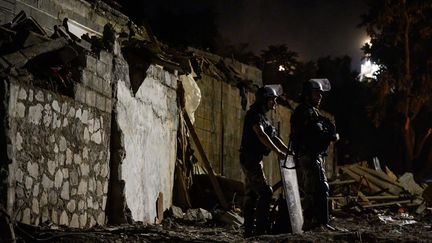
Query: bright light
[(368, 70), (366, 40), (281, 68)]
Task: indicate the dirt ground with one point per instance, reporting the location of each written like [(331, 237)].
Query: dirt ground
[(375, 226)]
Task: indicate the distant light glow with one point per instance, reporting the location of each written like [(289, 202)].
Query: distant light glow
[(368, 70), (366, 40), (281, 68)]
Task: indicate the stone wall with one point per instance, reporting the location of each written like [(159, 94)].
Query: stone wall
[(148, 122), (59, 155), (59, 147)]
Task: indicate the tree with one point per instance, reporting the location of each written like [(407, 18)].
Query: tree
[(401, 42), (279, 65), (239, 52), (285, 59)]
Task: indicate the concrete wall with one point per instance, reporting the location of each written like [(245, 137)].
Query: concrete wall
[(59, 156), (7, 11), (220, 132), (148, 122), (82, 14)]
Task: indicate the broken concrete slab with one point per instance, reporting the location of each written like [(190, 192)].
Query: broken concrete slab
[(31, 38), (197, 214), (407, 181), (21, 57), (44, 47)]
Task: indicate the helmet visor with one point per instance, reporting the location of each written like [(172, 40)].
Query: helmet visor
[(325, 83), (277, 88)]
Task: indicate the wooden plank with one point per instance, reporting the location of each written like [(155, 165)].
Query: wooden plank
[(391, 197), (159, 208), (182, 192), (358, 178), (386, 204), (362, 196), (205, 162), (380, 175), (377, 181), (337, 182), (382, 197)]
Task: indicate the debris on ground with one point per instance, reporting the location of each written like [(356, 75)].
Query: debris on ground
[(360, 188), (371, 226)]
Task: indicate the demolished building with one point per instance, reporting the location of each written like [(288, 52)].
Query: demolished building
[(90, 124)]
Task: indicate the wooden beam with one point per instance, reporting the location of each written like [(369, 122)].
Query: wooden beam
[(386, 204), (396, 190), (359, 179), (342, 182), (380, 175), (390, 197), (205, 162)]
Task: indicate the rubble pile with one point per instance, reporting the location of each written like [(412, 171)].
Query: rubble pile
[(360, 190)]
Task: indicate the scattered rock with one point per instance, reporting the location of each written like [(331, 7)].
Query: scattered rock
[(197, 214)]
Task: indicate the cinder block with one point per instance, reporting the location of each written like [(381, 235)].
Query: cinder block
[(80, 93), (104, 70), (107, 89), (100, 102), (97, 84), (105, 57), (100, 68), (90, 98), (86, 77), (108, 105), (90, 63)]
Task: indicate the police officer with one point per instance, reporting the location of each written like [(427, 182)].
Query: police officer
[(311, 134), (259, 139)]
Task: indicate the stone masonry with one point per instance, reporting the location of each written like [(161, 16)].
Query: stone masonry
[(58, 148)]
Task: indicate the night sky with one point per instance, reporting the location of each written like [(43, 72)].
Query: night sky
[(312, 28)]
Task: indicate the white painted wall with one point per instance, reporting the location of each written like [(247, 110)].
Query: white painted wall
[(149, 124)]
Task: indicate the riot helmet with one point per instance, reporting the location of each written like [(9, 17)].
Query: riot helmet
[(322, 85), (264, 93)]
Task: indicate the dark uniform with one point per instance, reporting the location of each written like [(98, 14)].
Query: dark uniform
[(311, 134), (257, 192)]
